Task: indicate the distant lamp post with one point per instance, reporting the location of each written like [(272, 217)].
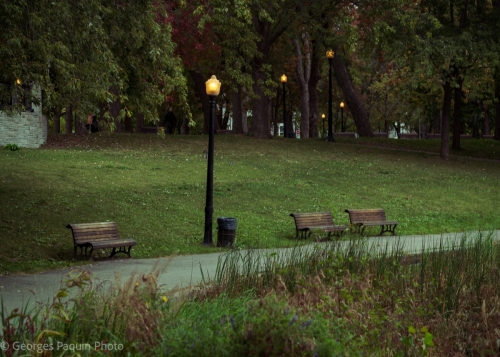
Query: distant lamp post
[(323, 116), (213, 89), (329, 55), (342, 116), (283, 80), (18, 81)]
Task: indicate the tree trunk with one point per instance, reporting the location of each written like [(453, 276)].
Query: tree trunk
[(438, 122), (244, 121), (457, 116), (114, 108), (57, 120), (237, 111), (275, 121), (277, 111), (80, 125), (289, 120), (485, 108), (128, 124), (497, 110), (303, 69), (313, 91), (445, 122), (184, 126), (225, 117), (200, 89), (356, 108), (270, 112), (69, 119), (139, 122), (260, 127)]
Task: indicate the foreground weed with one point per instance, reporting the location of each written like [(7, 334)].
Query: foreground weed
[(91, 316), (452, 291)]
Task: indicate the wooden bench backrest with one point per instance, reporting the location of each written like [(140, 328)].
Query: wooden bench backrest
[(366, 215), (311, 219), (92, 232)]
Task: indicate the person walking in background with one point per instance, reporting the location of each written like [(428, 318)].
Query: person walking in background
[(170, 121)]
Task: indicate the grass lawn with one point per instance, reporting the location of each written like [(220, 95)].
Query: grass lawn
[(155, 190)]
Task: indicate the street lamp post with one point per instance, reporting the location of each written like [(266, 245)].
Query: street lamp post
[(329, 55), (283, 80), (213, 89), (323, 117), (342, 116)]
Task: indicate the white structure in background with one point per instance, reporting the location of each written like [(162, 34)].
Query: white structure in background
[(403, 130), (27, 129), (281, 130)]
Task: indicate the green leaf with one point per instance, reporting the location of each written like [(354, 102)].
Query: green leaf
[(428, 340)]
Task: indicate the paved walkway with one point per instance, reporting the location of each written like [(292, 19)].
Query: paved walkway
[(185, 271)]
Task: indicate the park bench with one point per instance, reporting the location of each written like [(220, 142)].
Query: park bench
[(362, 218), (100, 235), (306, 222)]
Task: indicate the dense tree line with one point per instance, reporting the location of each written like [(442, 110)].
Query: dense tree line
[(396, 62), (109, 57)]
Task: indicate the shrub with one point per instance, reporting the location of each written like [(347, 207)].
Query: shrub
[(12, 147)]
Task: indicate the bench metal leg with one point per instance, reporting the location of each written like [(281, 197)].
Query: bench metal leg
[(125, 250), (83, 251), (302, 234), (388, 228), (384, 228), (337, 234), (357, 228)]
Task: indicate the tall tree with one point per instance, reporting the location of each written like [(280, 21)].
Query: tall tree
[(352, 100), (303, 69)]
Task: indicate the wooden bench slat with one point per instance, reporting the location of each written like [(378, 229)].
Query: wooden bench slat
[(99, 235), (331, 229), (362, 218), (113, 243), (306, 222), (378, 223)]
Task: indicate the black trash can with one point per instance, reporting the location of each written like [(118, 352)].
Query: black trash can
[(226, 227)]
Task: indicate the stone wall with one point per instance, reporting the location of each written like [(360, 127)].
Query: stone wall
[(27, 129)]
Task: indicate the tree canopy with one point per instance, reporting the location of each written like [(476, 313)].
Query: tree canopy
[(398, 62)]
